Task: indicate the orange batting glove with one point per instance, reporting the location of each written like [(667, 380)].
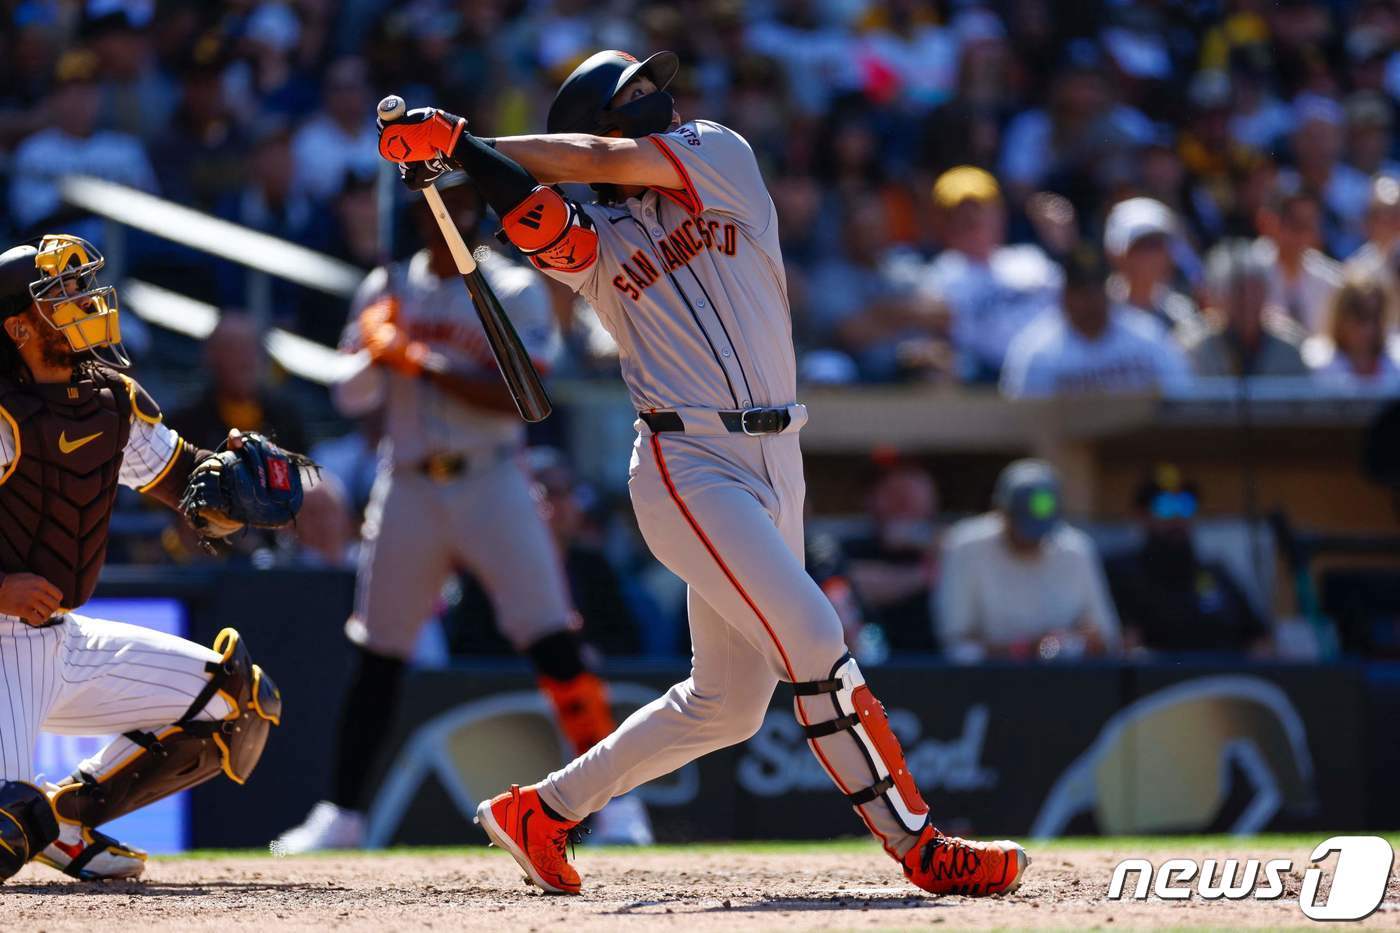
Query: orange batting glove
[(422, 134), (387, 343)]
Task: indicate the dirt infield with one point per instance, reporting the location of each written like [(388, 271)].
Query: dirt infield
[(788, 888)]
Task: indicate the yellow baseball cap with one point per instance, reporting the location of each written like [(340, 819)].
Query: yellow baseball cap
[(965, 183)]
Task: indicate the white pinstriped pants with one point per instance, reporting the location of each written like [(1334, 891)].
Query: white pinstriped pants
[(88, 676)]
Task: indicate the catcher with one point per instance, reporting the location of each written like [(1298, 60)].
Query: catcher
[(73, 426)]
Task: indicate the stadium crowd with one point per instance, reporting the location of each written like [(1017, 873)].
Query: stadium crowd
[(936, 163), (1034, 196)]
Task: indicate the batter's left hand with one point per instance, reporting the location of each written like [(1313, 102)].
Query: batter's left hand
[(418, 175), (389, 346), (420, 135)]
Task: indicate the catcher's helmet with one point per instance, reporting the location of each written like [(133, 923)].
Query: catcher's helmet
[(581, 106), (59, 276)]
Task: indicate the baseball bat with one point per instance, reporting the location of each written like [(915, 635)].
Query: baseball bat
[(518, 371)]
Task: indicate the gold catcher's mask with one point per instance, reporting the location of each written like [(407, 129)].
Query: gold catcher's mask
[(69, 298)]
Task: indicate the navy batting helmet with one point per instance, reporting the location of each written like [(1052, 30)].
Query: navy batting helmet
[(581, 106)]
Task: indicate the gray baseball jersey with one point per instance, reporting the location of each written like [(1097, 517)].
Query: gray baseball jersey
[(422, 419), (690, 283), (420, 529)]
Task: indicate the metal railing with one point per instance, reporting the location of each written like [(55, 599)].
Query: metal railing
[(299, 356), (262, 254)]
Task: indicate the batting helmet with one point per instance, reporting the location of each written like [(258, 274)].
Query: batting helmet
[(582, 104)]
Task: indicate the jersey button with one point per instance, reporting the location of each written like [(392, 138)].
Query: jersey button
[(725, 352), (657, 231), (700, 303)]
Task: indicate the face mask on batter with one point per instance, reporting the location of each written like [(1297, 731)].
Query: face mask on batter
[(641, 117)]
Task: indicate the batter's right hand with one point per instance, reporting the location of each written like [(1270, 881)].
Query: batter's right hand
[(29, 596), (422, 134)]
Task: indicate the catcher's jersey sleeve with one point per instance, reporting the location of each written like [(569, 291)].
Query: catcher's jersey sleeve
[(719, 172), (152, 447)]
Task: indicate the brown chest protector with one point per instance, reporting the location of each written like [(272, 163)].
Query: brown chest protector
[(56, 496)]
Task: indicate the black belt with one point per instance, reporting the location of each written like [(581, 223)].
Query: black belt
[(442, 467), (752, 421)]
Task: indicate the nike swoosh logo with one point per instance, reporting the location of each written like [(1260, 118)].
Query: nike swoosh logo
[(67, 446)]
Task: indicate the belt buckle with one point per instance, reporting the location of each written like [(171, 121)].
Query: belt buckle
[(744, 421)]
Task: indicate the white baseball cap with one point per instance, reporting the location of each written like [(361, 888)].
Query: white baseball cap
[(1133, 219)]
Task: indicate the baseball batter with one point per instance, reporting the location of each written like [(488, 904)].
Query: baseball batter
[(451, 494), (71, 429), (680, 258)]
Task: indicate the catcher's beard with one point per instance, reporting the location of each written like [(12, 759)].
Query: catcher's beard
[(54, 348)]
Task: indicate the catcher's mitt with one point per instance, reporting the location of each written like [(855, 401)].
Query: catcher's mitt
[(259, 484)]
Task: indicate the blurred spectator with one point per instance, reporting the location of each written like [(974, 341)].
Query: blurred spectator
[(1213, 159), (816, 55), (1080, 125), (1168, 597), (860, 302), (72, 146), (906, 48), (353, 459), (991, 289), (1302, 278), (1137, 238), (267, 80), (1244, 339), (1258, 119), (236, 395), (1356, 356), (893, 569), (200, 156), (966, 130), (271, 202), (1093, 345), (827, 565), (355, 236), (1369, 125), (341, 139), (1162, 177), (324, 530), (136, 98), (1318, 142), (29, 42), (1019, 582), (1376, 260)]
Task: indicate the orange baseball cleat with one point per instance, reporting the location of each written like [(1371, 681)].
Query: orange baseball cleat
[(948, 865), (518, 822)]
